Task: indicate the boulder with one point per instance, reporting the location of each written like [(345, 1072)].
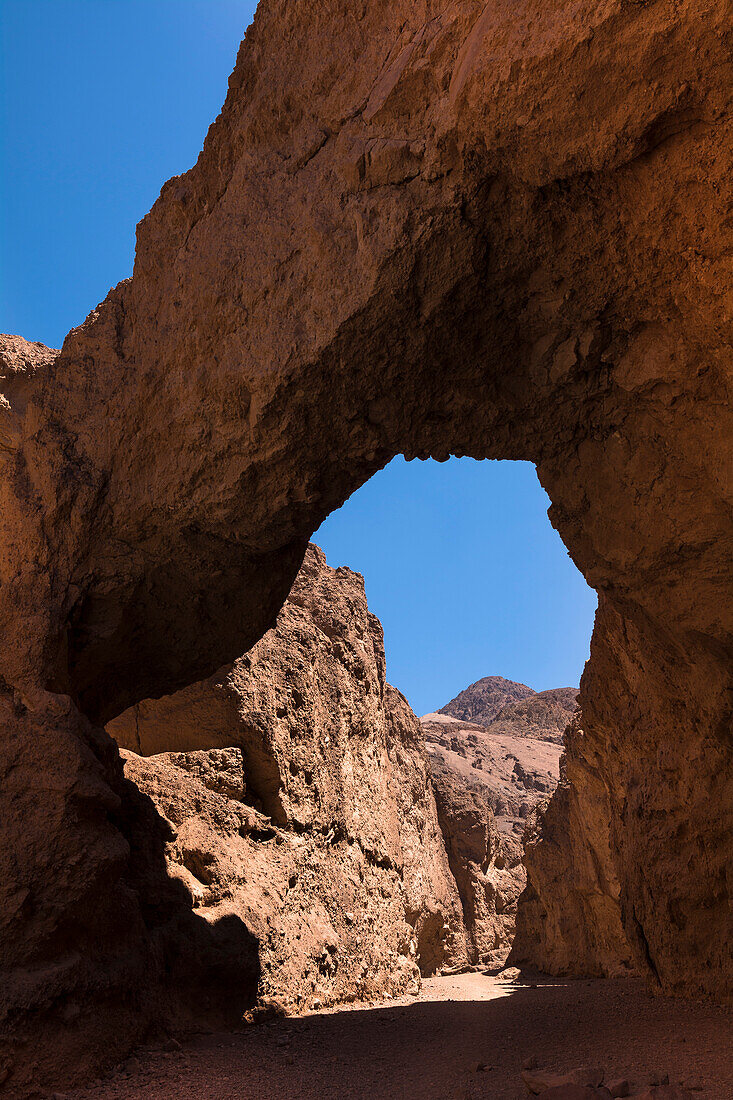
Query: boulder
[(618, 1087), (539, 1082)]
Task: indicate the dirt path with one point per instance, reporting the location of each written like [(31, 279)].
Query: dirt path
[(429, 1047)]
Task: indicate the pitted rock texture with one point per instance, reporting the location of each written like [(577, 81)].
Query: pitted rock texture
[(488, 786), (569, 918), (440, 227), (297, 787), (281, 846), (327, 915)]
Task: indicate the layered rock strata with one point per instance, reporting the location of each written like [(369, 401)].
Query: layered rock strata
[(424, 228), (296, 786), (488, 785)]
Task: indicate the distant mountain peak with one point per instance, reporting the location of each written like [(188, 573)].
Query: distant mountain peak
[(481, 702), (506, 707)]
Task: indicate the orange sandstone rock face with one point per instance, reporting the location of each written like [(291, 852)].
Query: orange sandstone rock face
[(296, 785), (495, 230)]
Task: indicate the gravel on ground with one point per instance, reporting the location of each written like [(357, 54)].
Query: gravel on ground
[(464, 1037)]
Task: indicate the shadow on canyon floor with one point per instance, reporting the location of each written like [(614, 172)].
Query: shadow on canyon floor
[(465, 1037)]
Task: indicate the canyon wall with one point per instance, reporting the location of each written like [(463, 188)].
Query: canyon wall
[(633, 819), (569, 917), (273, 844), (431, 228), (489, 781), (297, 788)]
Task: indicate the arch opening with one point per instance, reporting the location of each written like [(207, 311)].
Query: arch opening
[(466, 572)]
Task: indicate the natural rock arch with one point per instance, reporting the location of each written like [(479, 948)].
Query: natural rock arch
[(431, 229)]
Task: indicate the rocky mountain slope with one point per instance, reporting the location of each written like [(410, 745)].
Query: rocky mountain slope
[(488, 783), (296, 789), (507, 707), (543, 716), (481, 701)]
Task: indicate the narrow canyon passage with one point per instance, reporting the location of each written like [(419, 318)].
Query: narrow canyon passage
[(463, 1038), (430, 228)]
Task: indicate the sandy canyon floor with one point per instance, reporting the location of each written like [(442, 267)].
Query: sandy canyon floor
[(465, 1037)]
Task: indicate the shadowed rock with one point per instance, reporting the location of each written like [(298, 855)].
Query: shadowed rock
[(297, 787)]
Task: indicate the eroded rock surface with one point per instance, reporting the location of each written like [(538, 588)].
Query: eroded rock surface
[(569, 919), (482, 701), (487, 786), (544, 716), (272, 836), (297, 788), (428, 228), (505, 707)]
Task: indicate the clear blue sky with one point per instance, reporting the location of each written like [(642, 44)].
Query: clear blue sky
[(467, 575), (102, 101)]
